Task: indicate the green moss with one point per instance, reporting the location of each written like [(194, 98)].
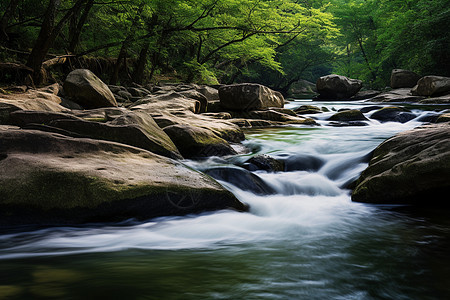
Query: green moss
[(49, 189), (67, 190)]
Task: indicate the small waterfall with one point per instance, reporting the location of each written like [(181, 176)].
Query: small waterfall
[(303, 237)]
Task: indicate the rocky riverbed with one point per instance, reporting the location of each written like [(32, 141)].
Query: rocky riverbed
[(87, 152)]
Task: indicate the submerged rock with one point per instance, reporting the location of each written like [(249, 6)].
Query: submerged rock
[(302, 162), (264, 162), (393, 114), (53, 179), (308, 109), (370, 108), (412, 167), (443, 118), (242, 179)]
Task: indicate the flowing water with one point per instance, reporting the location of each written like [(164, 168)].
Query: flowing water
[(306, 241)]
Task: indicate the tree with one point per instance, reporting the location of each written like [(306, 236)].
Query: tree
[(47, 35), (7, 15)]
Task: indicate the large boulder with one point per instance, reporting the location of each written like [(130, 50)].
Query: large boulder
[(413, 167), (432, 86), (337, 87), (403, 79), (365, 95), (196, 142), (249, 96), (85, 88), (53, 179), (302, 89), (211, 94)]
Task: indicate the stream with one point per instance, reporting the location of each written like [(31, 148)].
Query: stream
[(307, 240)]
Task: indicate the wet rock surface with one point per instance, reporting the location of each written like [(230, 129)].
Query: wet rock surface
[(412, 167), (51, 179)]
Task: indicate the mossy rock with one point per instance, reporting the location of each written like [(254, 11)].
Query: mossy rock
[(348, 115), (413, 167), (132, 128), (53, 179), (308, 109), (196, 142)]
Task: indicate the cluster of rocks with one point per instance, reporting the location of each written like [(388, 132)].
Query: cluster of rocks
[(361, 117), (406, 86), (88, 152)]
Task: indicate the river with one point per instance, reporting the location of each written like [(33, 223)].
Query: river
[(306, 241)]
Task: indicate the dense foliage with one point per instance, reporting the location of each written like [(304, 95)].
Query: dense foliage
[(380, 35), (274, 42)]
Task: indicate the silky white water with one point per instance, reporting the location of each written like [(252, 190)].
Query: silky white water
[(305, 241)]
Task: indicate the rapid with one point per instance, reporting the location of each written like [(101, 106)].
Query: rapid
[(305, 240)]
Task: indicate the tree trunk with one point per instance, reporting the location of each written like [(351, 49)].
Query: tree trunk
[(155, 62), (44, 41), (123, 49), (374, 76), (138, 73), (47, 35), (10, 9), (75, 36)]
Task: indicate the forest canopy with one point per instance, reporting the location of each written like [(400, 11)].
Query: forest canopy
[(273, 42)]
